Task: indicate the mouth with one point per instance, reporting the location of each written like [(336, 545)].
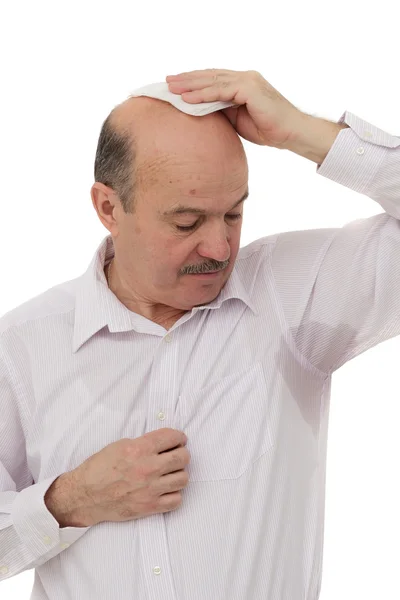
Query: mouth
[(209, 275)]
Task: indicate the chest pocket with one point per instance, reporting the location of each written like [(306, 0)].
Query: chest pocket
[(227, 425)]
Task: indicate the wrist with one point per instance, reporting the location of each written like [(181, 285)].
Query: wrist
[(313, 137), (62, 500)]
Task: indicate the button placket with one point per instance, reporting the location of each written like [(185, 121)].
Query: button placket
[(159, 411)]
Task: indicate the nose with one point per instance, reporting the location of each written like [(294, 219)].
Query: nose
[(215, 244)]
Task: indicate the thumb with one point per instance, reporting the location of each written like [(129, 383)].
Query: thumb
[(231, 114)]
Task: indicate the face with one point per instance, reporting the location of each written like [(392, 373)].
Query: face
[(188, 215)]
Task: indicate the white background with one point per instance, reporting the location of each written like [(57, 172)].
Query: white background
[(64, 66)]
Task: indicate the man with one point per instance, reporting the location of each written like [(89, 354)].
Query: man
[(184, 332)]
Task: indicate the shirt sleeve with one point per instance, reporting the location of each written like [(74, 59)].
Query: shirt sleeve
[(339, 288), (29, 534)]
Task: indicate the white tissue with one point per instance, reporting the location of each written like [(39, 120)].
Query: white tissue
[(161, 91)]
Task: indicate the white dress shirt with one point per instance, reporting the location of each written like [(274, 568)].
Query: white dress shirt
[(246, 377)]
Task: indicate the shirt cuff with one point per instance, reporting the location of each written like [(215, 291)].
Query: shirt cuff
[(36, 526), (357, 154)]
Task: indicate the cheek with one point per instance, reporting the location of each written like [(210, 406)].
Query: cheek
[(170, 256), (235, 243)]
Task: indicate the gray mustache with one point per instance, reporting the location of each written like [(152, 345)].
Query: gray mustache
[(205, 268)]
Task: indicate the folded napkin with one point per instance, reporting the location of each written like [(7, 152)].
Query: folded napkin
[(161, 91)]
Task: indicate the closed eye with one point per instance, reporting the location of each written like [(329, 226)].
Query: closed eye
[(190, 227)]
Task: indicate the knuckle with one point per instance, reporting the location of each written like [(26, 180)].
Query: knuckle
[(153, 505), (173, 484), (127, 446), (143, 470), (254, 74), (186, 455), (176, 460)]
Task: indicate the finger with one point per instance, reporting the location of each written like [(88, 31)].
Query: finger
[(179, 87), (210, 94), (188, 75), (196, 74)]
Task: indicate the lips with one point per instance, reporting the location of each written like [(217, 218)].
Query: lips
[(206, 273)]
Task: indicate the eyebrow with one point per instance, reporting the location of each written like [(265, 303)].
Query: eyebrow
[(182, 209)]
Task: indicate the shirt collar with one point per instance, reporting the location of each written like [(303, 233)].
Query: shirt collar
[(96, 306)]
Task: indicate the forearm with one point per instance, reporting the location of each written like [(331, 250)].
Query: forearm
[(63, 501), (313, 137)]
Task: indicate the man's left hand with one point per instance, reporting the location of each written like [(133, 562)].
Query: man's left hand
[(263, 116)]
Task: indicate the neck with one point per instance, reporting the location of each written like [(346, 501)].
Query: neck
[(166, 318)]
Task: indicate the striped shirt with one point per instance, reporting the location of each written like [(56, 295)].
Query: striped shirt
[(247, 377)]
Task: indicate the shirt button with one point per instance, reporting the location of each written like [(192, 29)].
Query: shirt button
[(367, 134), (168, 338), (161, 416), (47, 539), (360, 150), (65, 545), (156, 570), (3, 570)]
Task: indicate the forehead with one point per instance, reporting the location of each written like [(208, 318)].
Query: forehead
[(188, 208), (182, 193), (192, 175)]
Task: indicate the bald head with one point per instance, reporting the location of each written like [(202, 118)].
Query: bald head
[(142, 115), (160, 135), (143, 137)]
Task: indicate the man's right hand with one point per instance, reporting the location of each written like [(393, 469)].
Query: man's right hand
[(126, 480)]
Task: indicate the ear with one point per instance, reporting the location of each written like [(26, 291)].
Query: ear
[(104, 202)]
